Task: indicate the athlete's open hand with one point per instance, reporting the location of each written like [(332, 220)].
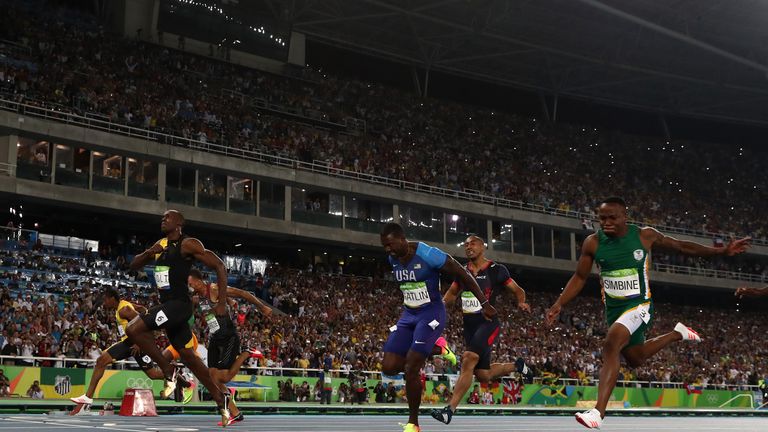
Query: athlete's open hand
[(552, 313), (489, 311), (738, 246), (742, 292), (525, 307)]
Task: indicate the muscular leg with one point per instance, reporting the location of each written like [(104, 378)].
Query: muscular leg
[(638, 354), (221, 378), (141, 335), (156, 373), (414, 361), (615, 340), (102, 362), (392, 364), (500, 369), (235, 368), (193, 362), (468, 362)]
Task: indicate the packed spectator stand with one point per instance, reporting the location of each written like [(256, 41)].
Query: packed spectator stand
[(67, 61), (50, 304)]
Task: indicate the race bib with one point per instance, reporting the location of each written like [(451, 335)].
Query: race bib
[(621, 284), (327, 380), (415, 294), (120, 330), (470, 303), (161, 277), (213, 323)]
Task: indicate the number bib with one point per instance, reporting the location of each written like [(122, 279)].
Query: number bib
[(210, 318), (621, 284), (162, 277), (415, 294), (120, 330), (470, 303)]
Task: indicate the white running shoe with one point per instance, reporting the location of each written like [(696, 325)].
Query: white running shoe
[(590, 419), (82, 400), (688, 333)]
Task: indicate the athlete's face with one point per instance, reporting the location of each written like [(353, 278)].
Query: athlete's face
[(196, 284), (395, 246), (473, 247), (110, 303), (170, 222), (613, 218)]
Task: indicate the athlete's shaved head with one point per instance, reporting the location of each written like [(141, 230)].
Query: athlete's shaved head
[(394, 241), (612, 213), (111, 298), (474, 247), (173, 220), (393, 229), (614, 200)]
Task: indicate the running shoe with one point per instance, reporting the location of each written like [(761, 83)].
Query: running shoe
[(590, 419), (189, 392), (236, 419), (688, 333), (410, 427), (82, 400), (224, 409), (170, 385), (443, 415), (447, 353)]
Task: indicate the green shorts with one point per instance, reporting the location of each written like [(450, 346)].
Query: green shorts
[(637, 318)]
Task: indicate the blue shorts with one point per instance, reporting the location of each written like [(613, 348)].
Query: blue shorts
[(417, 330)]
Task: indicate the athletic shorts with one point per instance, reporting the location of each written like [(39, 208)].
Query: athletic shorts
[(637, 318), (175, 353), (172, 317), (479, 337), (417, 330), (223, 350), (122, 350)]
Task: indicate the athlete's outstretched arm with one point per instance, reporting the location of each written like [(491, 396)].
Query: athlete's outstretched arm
[(742, 292), (685, 247), (579, 278), (250, 298), (194, 247), (453, 268), (146, 257), (450, 296)]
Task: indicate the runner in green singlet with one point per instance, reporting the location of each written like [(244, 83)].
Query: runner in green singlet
[(622, 254)]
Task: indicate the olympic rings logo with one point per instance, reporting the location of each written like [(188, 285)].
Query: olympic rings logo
[(142, 383)]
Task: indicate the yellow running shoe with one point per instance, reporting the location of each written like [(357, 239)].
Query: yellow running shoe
[(447, 353), (410, 427)]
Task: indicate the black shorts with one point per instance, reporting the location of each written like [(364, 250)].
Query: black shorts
[(223, 350), (172, 316), (479, 337), (122, 350)]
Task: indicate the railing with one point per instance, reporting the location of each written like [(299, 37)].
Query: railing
[(651, 384), (720, 274), (66, 116), (303, 372), (7, 169)]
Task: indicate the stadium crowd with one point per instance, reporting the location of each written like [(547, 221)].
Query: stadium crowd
[(337, 321), (77, 65)]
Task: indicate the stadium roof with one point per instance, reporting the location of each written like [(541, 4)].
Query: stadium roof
[(700, 58)]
